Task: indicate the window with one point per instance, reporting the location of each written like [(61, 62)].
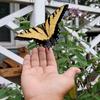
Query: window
[(27, 15), (6, 36), (4, 9), (23, 5)]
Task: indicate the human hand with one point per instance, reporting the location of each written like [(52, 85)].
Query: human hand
[(40, 79)]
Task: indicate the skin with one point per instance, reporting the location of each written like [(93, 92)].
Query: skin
[(40, 79)]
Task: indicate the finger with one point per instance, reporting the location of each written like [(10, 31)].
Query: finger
[(34, 58), (71, 72), (26, 63), (50, 57), (42, 57)]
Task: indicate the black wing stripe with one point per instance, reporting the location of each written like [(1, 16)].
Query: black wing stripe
[(25, 31), (28, 30), (49, 21), (55, 12), (44, 29), (35, 29), (53, 15)]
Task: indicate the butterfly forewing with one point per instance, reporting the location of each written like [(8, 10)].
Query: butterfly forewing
[(33, 34), (54, 19)]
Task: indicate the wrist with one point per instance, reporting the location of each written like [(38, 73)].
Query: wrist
[(47, 97)]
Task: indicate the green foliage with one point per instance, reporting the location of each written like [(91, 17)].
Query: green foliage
[(91, 94), (10, 93), (31, 45), (24, 23), (70, 53)]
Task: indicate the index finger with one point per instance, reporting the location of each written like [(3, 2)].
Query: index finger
[(26, 63)]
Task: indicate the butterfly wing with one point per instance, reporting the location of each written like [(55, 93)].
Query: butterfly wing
[(32, 33), (48, 31), (51, 24)]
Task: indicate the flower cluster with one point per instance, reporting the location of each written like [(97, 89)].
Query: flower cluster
[(76, 12)]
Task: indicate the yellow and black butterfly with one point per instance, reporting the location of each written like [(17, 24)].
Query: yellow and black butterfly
[(47, 33)]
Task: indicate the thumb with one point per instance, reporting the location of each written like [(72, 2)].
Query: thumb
[(71, 72)]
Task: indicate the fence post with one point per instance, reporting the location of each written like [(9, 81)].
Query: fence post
[(38, 14)]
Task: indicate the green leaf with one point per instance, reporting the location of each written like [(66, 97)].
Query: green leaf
[(31, 45), (2, 93)]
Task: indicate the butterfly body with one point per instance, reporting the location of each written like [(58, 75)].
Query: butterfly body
[(47, 33)]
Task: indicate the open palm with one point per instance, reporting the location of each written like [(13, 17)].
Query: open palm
[(40, 77)]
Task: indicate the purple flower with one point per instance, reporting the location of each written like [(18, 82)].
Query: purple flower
[(49, 1), (75, 12)]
